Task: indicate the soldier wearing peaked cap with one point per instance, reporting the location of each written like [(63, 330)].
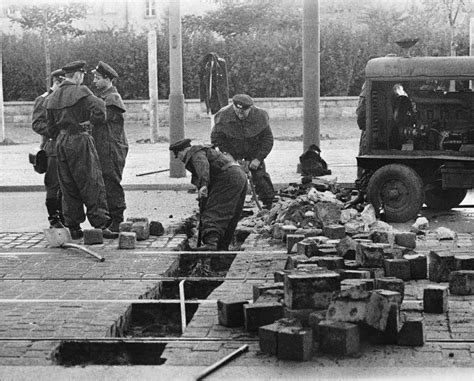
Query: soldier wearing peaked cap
[(222, 186), (70, 110), (111, 142), (243, 131), (51, 180)]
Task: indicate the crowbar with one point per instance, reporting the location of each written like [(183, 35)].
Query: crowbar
[(218, 364)]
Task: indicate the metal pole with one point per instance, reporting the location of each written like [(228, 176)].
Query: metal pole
[(2, 114), (153, 85), (471, 35), (218, 364), (176, 98), (182, 306), (311, 47)]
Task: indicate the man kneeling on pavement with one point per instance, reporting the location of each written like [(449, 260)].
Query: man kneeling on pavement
[(223, 183)]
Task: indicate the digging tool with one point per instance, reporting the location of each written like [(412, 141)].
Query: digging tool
[(202, 206), (152, 172), (223, 361), (245, 166), (61, 237)]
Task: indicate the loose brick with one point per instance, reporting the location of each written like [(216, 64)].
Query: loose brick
[(441, 263), (277, 231), (259, 289), (346, 248), (364, 284), (331, 263), (406, 239), (391, 284), (354, 228), (348, 309), (334, 231), (435, 299), (292, 261), (307, 247), (294, 343), (390, 334), (301, 315), (351, 265), (93, 236), (278, 276), (125, 226), (382, 237), (378, 310), (259, 314), (309, 232), (141, 228), (292, 240), (127, 240), (355, 274), (393, 252), (326, 250), (418, 265), (156, 228), (268, 338), (461, 282), (375, 272), (464, 261), (370, 254), (412, 332), (339, 338), (399, 268), (271, 296), (314, 318), (285, 230), (231, 312)]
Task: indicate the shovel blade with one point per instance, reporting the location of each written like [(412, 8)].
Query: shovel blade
[(57, 237)]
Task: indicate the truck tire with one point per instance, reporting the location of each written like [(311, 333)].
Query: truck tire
[(444, 199), (398, 189)]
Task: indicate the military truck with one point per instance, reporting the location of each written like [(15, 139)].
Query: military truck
[(419, 134)]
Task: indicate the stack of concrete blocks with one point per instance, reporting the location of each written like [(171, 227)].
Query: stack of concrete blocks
[(461, 281)]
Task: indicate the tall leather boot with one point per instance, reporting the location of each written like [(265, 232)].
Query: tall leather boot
[(210, 241), (54, 214)]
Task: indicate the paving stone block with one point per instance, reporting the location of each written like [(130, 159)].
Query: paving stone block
[(346, 248), (310, 290), (375, 272), (418, 265), (393, 252), (348, 310), (271, 296), (125, 226), (354, 228), (294, 343), (156, 228), (314, 318), (378, 236), (399, 268), (461, 282), (326, 250), (259, 289), (287, 229), (277, 231), (331, 263), (391, 284), (292, 240), (327, 212), (355, 274), (377, 312), (93, 236), (231, 312), (441, 263), (259, 314), (464, 261), (406, 239), (309, 232), (292, 261), (351, 264), (334, 231), (301, 315), (412, 332), (390, 334), (141, 228), (435, 299), (127, 240), (364, 284), (339, 338), (278, 276), (370, 254), (307, 247), (268, 338)]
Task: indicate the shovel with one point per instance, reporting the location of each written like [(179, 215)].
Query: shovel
[(61, 237)]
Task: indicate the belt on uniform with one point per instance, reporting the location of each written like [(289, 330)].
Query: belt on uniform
[(73, 131), (228, 165)]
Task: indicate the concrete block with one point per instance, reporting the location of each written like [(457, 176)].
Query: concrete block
[(393, 252), (268, 338), (300, 315), (231, 312), (326, 250), (93, 236), (141, 228), (292, 261), (277, 231), (406, 239), (278, 276), (390, 334), (125, 226), (399, 268), (351, 265), (127, 240), (370, 254), (285, 230), (464, 261), (412, 332), (259, 289), (310, 290), (314, 318), (294, 343), (355, 274), (327, 213), (418, 265), (435, 299), (331, 263), (309, 232), (156, 228), (271, 296), (364, 284), (306, 247), (259, 314), (353, 228), (382, 237), (339, 338), (461, 282), (441, 263), (391, 284), (377, 312), (348, 310), (346, 248), (375, 272), (334, 231), (291, 240)]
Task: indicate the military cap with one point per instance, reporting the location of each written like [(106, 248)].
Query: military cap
[(242, 101), (72, 67), (105, 70), (180, 145), (57, 73)]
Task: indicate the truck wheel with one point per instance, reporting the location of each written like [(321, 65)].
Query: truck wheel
[(444, 199), (398, 189)]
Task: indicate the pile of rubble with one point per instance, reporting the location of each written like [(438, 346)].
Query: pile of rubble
[(344, 279)]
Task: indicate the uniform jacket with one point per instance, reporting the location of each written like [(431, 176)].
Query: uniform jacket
[(205, 164), (213, 83), (70, 105), (247, 139), (40, 123)]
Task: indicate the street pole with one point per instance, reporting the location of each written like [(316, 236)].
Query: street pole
[(310, 73), (176, 98), (2, 114), (153, 86), (471, 35)]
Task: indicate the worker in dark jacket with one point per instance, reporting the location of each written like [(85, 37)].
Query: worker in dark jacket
[(222, 182), (51, 181), (111, 142), (70, 111), (243, 131)]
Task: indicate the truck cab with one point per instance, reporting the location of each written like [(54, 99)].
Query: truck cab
[(419, 134)]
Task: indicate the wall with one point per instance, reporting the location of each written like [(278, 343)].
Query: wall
[(19, 113)]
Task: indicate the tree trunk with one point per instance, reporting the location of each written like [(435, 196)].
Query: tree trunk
[(47, 56)]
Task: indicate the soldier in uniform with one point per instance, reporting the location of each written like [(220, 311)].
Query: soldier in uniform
[(222, 182), (70, 111), (51, 181), (111, 142), (243, 131)]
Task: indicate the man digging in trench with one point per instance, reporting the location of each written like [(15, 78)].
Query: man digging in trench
[(222, 184)]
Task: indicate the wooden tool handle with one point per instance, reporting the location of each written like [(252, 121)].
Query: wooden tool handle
[(82, 248)]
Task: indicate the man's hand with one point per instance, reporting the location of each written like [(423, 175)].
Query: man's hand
[(254, 164), (202, 192)]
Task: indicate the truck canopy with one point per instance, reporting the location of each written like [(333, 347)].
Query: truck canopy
[(413, 68)]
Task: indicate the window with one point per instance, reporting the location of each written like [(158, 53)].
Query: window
[(150, 8)]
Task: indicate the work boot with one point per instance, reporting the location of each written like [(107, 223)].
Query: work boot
[(210, 243), (114, 226), (76, 232), (108, 234), (55, 222)]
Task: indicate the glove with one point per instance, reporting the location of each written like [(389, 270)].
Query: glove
[(254, 164), (202, 192)]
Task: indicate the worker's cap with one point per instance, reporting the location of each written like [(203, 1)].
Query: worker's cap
[(57, 73), (242, 101), (180, 145), (72, 67), (105, 70)]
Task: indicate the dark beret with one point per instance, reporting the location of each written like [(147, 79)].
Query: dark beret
[(105, 70), (180, 145), (242, 101), (72, 67), (57, 73)]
